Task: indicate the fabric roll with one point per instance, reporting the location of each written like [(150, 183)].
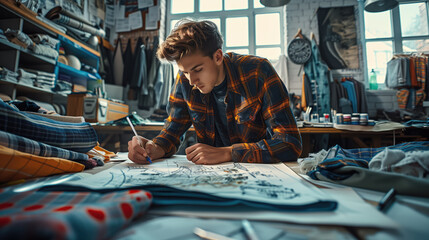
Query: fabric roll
[(63, 19)]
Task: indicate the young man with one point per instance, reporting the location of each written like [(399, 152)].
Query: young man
[(237, 104)]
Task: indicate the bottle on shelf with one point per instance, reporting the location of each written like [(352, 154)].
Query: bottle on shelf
[(373, 85)]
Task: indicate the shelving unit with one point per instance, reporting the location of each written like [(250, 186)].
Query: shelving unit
[(17, 16)]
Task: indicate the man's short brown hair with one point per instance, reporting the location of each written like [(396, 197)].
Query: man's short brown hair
[(189, 37)]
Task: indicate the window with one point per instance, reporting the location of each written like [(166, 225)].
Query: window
[(247, 26), (403, 29)]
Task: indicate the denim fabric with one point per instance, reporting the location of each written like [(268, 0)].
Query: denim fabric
[(316, 70)]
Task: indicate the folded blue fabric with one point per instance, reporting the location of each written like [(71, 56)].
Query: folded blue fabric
[(79, 137), (27, 145), (338, 157)]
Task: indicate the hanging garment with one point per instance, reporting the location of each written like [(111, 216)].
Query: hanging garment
[(164, 84), (106, 63), (281, 69), (320, 77), (139, 79), (349, 86), (118, 64), (128, 64), (146, 101)]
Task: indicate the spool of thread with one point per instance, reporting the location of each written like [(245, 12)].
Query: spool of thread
[(347, 119), (339, 118), (63, 59), (363, 119), (355, 121)]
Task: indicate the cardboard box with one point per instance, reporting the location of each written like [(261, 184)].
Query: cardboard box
[(95, 109)]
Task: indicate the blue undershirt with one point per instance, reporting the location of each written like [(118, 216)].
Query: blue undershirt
[(219, 107)]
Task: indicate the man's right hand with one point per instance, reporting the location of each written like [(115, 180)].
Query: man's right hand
[(138, 154)]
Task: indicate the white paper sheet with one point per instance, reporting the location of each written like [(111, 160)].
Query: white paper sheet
[(136, 20), (145, 3), (267, 183), (123, 25)]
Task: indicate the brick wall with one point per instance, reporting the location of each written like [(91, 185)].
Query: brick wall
[(381, 99), (302, 14)]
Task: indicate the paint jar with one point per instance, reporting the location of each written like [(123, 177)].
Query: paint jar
[(371, 123), (355, 121), (315, 117), (326, 116), (347, 119), (363, 120), (339, 118)]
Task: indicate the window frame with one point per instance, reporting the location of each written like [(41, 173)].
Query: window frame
[(396, 38), (250, 13)]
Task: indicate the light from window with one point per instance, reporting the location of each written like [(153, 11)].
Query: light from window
[(267, 29), (237, 32), (236, 4), (215, 20), (257, 4), (271, 54), (173, 24), (411, 46), (414, 21), (377, 25), (243, 51), (182, 6), (378, 54), (210, 5)]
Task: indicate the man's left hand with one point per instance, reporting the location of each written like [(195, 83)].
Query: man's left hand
[(205, 154)]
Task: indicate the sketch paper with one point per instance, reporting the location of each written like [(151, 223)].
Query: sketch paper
[(273, 184), (136, 20)]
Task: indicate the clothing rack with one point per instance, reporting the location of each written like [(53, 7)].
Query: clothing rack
[(147, 36)]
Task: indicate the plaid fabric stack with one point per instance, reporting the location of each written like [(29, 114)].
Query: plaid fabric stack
[(36, 146)]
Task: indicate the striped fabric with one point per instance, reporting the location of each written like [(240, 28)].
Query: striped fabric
[(79, 137), (261, 126), (69, 215), (16, 165), (338, 157), (37, 148)]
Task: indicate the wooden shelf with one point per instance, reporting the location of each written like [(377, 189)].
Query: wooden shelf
[(22, 11)]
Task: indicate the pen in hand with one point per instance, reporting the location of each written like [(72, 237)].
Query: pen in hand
[(138, 138)]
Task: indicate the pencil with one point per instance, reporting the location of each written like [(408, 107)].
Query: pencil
[(387, 200), (138, 138), (248, 229)]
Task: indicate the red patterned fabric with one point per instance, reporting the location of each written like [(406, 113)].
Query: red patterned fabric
[(68, 215)]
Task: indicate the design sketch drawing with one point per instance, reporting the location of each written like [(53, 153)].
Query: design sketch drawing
[(271, 183)]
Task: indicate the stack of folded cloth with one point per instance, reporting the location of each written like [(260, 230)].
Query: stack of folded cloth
[(43, 79), (8, 75), (33, 145), (40, 44)]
